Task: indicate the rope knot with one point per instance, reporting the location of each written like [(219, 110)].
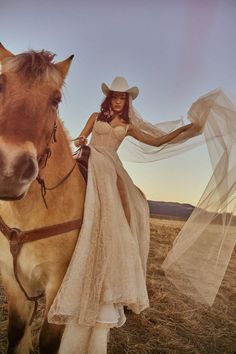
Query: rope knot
[(43, 189)]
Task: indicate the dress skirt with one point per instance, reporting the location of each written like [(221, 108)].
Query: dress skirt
[(108, 267)]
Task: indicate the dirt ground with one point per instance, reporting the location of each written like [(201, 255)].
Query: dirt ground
[(173, 323)]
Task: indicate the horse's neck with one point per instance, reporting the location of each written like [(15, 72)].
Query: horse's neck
[(64, 202)]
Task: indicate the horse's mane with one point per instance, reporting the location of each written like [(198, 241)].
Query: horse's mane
[(33, 65)]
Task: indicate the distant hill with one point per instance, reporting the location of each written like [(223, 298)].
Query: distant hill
[(170, 209)]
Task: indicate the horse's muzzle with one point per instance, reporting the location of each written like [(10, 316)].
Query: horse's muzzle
[(18, 169), (11, 188)]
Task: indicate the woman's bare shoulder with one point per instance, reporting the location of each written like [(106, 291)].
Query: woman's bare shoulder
[(94, 116)]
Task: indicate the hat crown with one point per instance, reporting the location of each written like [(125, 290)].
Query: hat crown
[(119, 84)]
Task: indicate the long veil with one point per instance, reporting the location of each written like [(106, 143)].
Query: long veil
[(202, 250)]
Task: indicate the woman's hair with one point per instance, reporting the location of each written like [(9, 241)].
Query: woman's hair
[(104, 114)]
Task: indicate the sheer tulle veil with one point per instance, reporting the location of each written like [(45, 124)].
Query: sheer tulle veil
[(198, 260)]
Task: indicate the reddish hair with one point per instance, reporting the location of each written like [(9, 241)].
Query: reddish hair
[(104, 114)]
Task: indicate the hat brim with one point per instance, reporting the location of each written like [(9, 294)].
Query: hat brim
[(133, 91)]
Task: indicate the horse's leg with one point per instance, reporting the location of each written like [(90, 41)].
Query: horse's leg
[(20, 310), (50, 334)]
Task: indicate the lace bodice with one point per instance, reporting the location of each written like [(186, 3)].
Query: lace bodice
[(105, 135)]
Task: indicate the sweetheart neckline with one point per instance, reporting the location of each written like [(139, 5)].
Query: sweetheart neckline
[(117, 126)]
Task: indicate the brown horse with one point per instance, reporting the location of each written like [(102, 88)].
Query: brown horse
[(30, 85)]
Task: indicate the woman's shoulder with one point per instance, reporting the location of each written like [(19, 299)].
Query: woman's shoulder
[(93, 117), (94, 114)]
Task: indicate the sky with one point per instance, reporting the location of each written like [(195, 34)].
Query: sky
[(173, 50)]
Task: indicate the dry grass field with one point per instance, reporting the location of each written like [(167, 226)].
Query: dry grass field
[(173, 323)]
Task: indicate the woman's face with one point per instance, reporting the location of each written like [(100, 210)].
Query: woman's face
[(118, 101)]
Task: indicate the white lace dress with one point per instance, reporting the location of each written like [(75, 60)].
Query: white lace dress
[(108, 267)]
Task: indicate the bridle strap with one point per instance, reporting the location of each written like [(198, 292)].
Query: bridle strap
[(17, 238), (47, 151)]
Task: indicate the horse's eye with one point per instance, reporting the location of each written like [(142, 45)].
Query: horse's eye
[(56, 99)]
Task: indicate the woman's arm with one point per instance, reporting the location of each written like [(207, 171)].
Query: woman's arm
[(157, 141), (82, 138)]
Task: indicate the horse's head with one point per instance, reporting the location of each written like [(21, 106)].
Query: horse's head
[(30, 86)]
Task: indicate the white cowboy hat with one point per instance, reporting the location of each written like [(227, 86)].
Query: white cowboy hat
[(120, 84)]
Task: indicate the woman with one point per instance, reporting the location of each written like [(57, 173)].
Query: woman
[(108, 267)]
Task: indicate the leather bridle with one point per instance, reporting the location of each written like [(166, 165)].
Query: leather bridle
[(42, 162), (17, 237)]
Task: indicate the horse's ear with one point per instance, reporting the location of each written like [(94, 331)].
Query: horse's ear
[(4, 53), (63, 66)]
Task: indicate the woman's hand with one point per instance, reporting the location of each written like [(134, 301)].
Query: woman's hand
[(81, 141), (111, 112), (186, 127), (192, 127)]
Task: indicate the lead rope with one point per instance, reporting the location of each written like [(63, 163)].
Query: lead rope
[(44, 189), (30, 298)]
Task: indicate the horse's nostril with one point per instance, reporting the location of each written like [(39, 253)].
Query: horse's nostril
[(25, 168), (29, 170)]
